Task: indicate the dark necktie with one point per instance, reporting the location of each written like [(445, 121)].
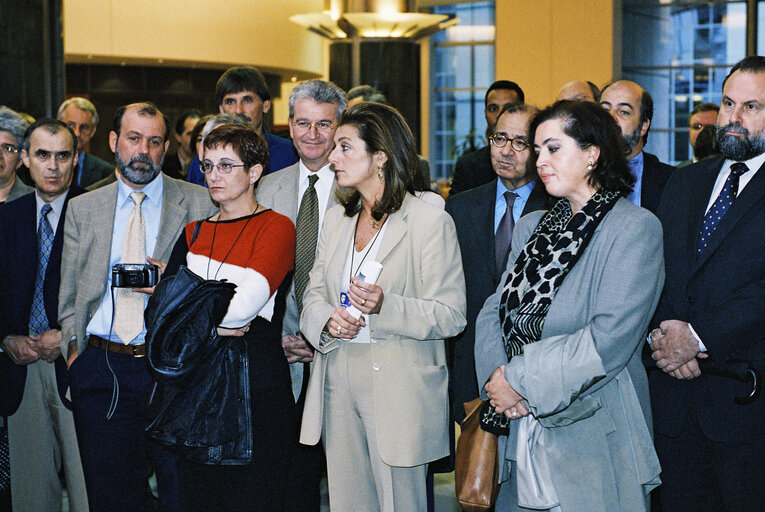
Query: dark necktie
[(504, 234), (307, 233), (38, 320), (720, 206)]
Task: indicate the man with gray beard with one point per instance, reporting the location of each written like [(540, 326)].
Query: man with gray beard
[(141, 214), (632, 108), (709, 327)]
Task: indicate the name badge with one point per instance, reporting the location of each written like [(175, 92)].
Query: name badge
[(344, 300)]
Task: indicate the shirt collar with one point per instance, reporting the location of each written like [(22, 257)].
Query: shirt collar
[(753, 163), (153, 191), (523, 192), (57, 204), (81, 159), (325, 173), (636, 163)]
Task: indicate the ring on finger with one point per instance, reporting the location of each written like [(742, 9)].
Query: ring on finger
[(363, 301), (514, 414), (339, 329)]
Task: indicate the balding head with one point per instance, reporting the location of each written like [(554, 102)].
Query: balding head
[(579, 90)]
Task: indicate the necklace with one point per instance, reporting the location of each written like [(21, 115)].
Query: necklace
[(369, 248), (212, 244)]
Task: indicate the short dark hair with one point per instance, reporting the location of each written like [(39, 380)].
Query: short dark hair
[(145, 109), (704, 107), (508, 85), (51, 126), (248, 144), (367, 93), (514, 108), (595, 90), (751, 64), (646, 112), (242, 79), (382, 128), (181, 121), (589, 125)]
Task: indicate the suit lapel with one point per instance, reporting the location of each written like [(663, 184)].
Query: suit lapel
[(698, 204), (338, 253), (754, 191), (101, 220), (287, 194), (395, 230), (172, 216), (482, 217), (538, 199)]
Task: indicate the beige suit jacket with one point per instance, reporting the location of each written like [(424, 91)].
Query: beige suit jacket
[(279, 191), (424, 303), (87, 243)]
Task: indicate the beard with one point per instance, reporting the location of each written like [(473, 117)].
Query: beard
[(138, 175), (739, 148), (631, 140)]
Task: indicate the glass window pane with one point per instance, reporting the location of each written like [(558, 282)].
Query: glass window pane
[(680, 54), (460, 74)]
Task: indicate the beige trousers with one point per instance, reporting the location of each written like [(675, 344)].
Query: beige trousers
[(42, 440), (358, 478)]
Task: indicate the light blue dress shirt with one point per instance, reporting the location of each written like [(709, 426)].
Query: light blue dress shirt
[(500, 205), (636, 166), (152, 213)]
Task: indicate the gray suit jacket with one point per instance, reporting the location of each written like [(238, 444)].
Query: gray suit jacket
[(584, 380), (279, 191), (424, 303), (18, 189), (87, 243)]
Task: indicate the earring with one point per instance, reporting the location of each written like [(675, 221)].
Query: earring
[(252, 180), (590, 165), (380, 175)]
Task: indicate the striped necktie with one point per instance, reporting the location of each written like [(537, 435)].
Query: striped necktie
[(307, 233)]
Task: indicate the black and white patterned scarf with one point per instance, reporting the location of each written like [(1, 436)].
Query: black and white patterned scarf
[(530, 287)]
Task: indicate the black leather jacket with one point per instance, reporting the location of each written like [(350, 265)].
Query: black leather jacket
[(201, 401)]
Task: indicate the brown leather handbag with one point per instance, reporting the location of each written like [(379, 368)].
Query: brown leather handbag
[(476, 468)]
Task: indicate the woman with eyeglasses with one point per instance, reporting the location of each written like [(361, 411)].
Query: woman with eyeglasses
[(252, 247), (377, 395), (558, 346)]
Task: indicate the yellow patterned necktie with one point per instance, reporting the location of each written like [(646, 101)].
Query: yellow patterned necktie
[(128, 319)]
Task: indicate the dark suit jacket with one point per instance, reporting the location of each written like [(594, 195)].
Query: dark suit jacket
[(472, 170), (721, 294), (18, 268), (655, 177), (172, 166), (93, 170), (473, 214)]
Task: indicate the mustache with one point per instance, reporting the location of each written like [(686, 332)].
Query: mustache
[(735, 128), (144, 159)]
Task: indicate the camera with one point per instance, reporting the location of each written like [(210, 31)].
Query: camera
[(134, 275)]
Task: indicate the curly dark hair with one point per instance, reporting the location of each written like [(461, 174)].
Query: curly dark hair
[(248, 144), (589, 125), (382, 128)]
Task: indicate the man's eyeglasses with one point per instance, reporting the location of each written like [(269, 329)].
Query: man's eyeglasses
[(500, 141), (223, 167), (9, 149), (321, 126)]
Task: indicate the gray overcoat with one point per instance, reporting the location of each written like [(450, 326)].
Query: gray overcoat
[(584, 380)]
